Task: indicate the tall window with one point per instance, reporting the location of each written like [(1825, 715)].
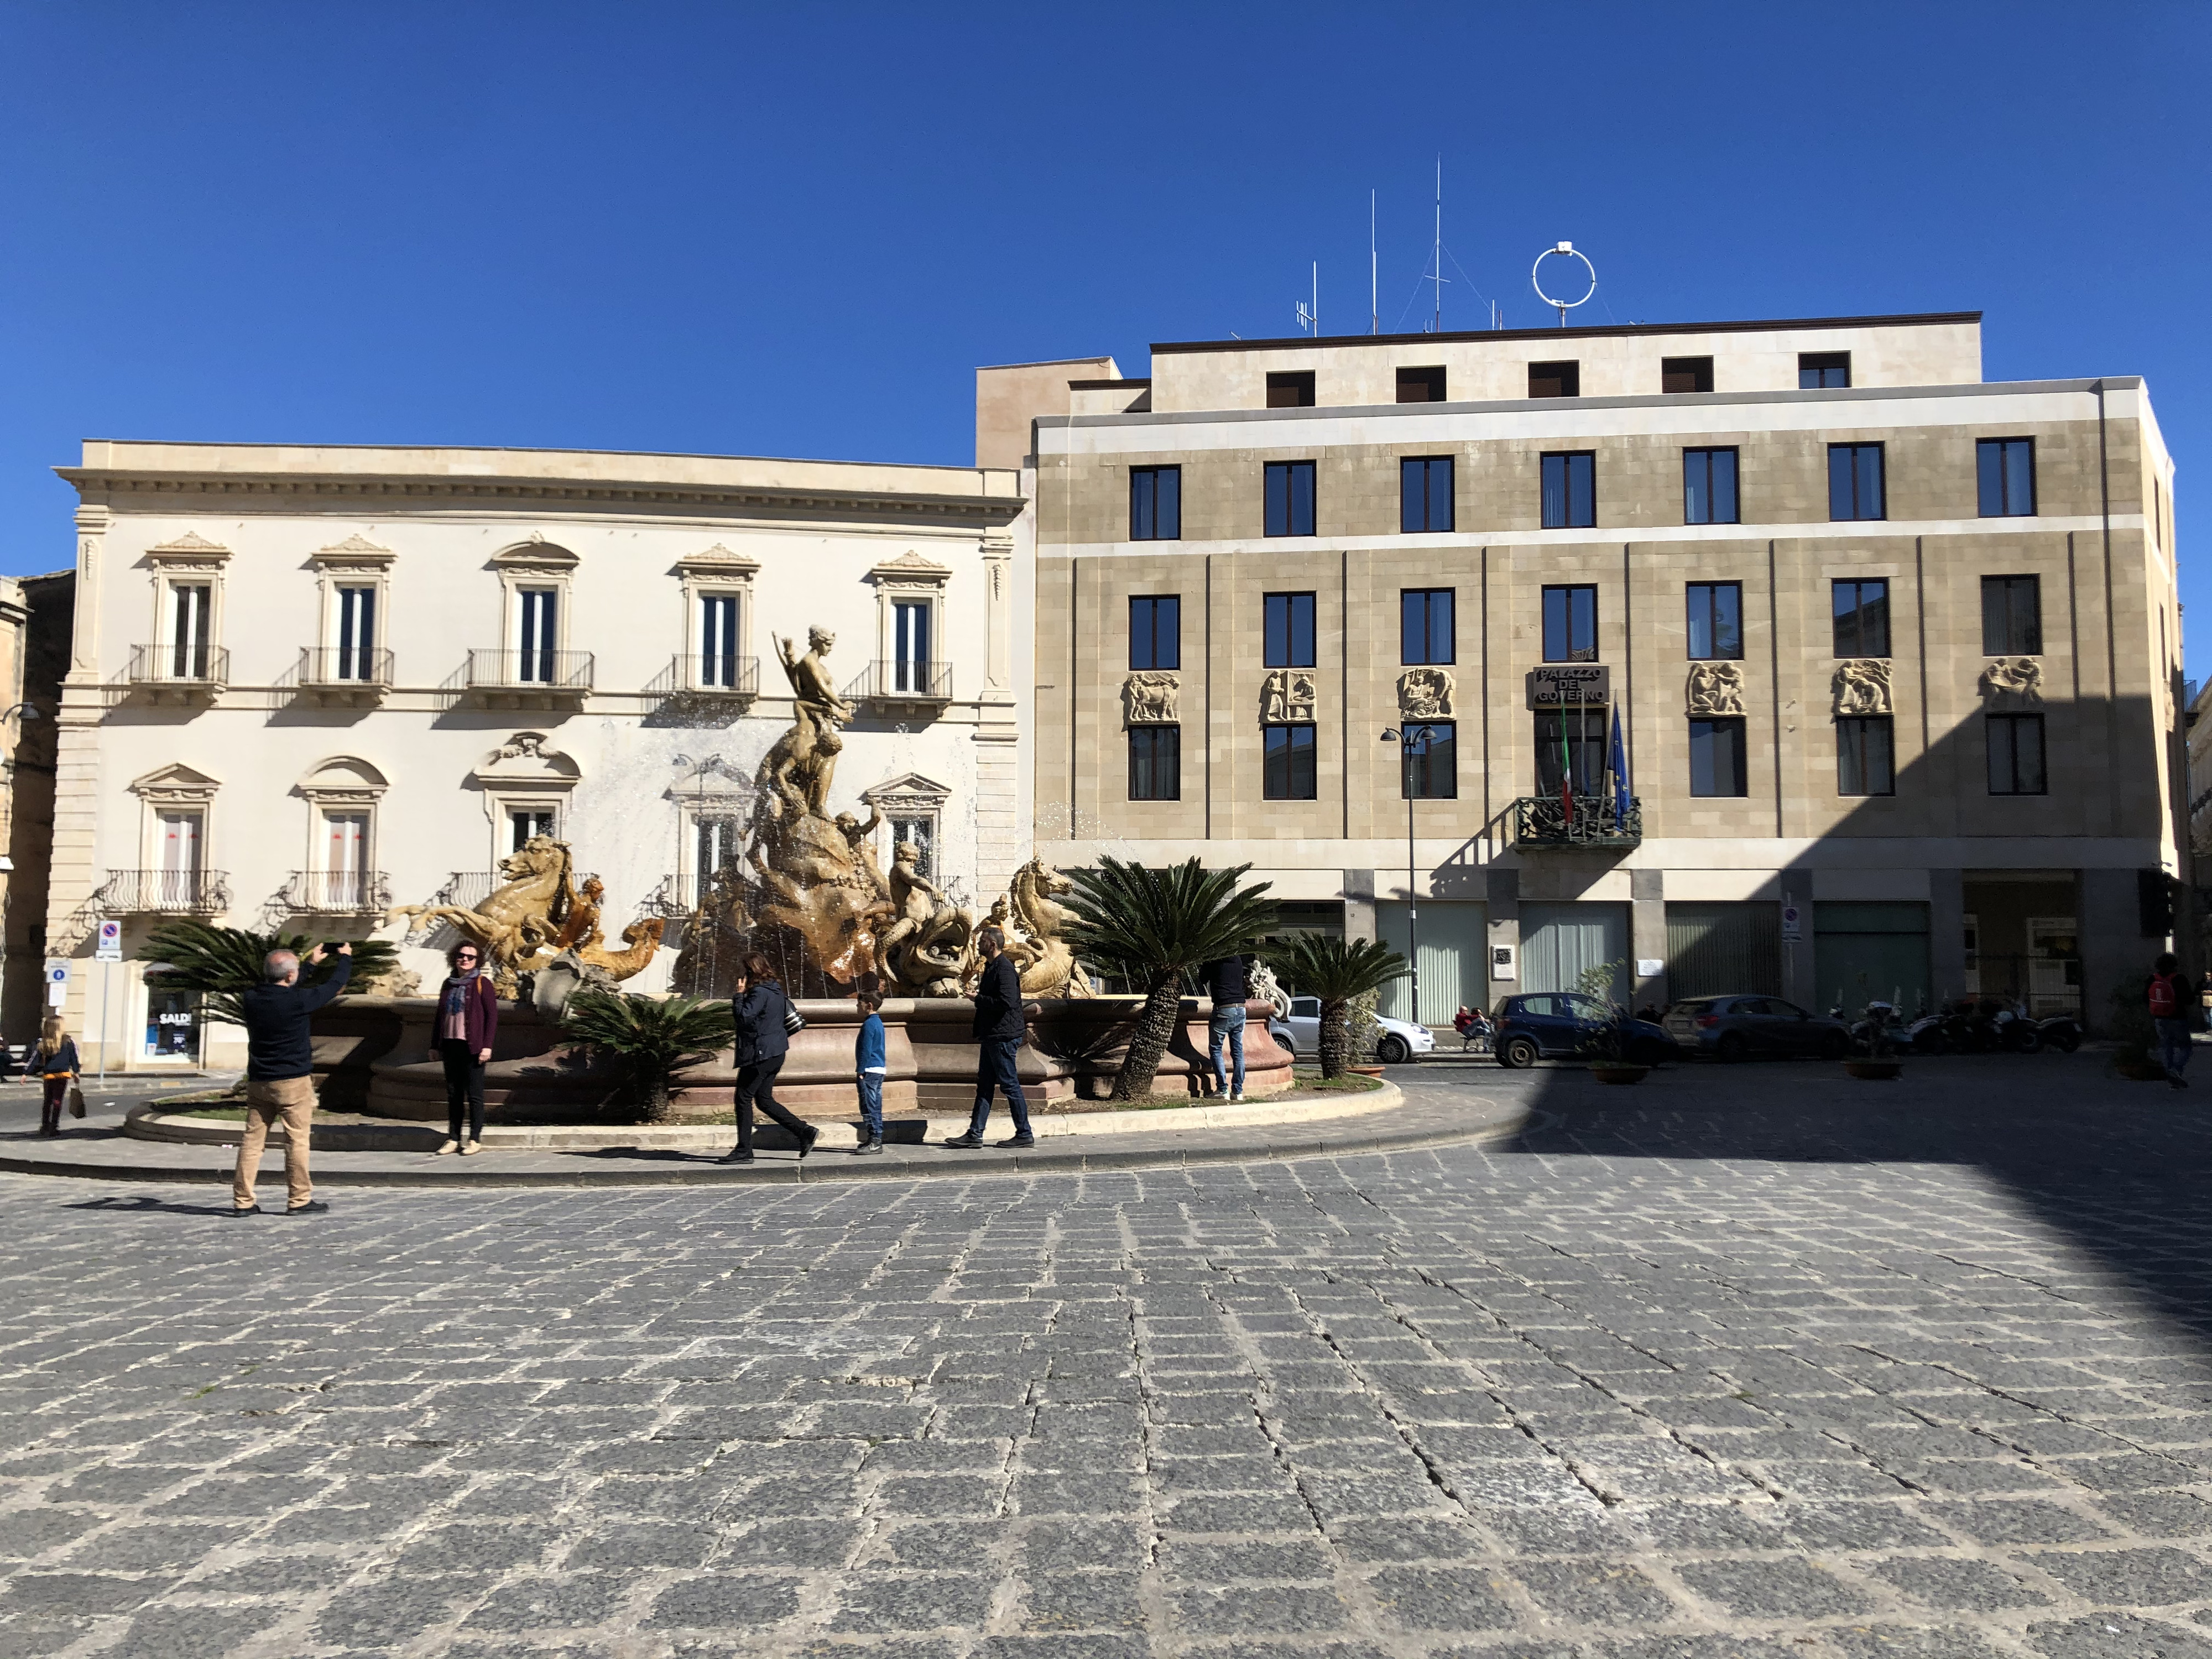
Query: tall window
[(1289, 630), (910, 646), (1861, 618), (357, 633), (1424, 494), (1570, 624), (1716, 758), (1709, 486), (1866, 755), (1855, 480), (1569, 491), (524, 821), (718, 640), (1686, 374), (1425, 626), (1156, 762), (1156, 631), (1432, 762), (345, 857), (1716, 621), (2016, 744), (1823, 368), (1570, 743), (1290, 498), (1155, 503), (1287, 764), (920, 834), (180, 851), (540, 632), (2011, 616), (715, 844), (2007, 469), (189, 607)]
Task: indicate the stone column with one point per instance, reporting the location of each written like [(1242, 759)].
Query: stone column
[(1647, 934), (73, 877), (999, 613), (2114, 949), (1947, 934), (1502, 914), (1359, 921)]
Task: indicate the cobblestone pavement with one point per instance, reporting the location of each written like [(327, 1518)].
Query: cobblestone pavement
[(1743, 1364)]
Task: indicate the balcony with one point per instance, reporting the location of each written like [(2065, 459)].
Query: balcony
[(523, 679), (163, 893), (903, 688), (343, 676), (467, 889), (178, 673), (338, 892), (1596, 822), (707, 680)]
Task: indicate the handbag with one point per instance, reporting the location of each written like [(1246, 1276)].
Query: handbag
[(77, 1101), (793, 1021)]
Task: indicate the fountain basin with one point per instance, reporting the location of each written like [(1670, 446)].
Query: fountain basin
[(372, 1055)]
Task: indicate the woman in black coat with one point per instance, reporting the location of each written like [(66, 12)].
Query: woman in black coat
[(758, 1009)]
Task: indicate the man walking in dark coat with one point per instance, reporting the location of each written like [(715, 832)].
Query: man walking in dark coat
[(998, 1031), (280, 1081)]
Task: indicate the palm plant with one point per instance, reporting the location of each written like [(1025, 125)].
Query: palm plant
[(219, 962), (1154, 927), (1338, 971), (648, 1040)]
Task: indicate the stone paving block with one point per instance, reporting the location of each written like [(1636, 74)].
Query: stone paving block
[(1772, 1589), (1593, 1592), (1951, 1583), (1455, 1599), (2128, 1577), (1308, 1609), (1910, 1642), (2110, 1635), (1084, 1601), (946, 1600)]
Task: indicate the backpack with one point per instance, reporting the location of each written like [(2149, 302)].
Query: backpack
[(2165, 999)]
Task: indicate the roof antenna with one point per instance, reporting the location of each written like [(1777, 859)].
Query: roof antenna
[(1373, 288), (1437, 257), (1563, 250), (1310, 320)]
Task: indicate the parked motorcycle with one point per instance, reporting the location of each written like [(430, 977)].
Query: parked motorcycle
[(2060, 1031), (1928, 1035)]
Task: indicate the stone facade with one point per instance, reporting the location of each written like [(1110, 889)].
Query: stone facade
[(214, 694), (1939, 887)]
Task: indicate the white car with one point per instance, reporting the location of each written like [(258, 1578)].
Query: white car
[(1301, 1034)]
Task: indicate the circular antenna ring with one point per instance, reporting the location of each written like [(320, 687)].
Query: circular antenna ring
[(1565, 251)]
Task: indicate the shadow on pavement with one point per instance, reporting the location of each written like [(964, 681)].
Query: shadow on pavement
[(2121, 1168)]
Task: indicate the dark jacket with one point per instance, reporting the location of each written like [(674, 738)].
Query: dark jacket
[(998, 1002), (479, 1012), (63, 1059), (758, 1015), (277, 1019), (1227, 980)]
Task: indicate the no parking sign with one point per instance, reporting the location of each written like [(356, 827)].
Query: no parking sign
[(109, 948)]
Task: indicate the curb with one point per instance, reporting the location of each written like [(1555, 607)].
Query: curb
[(1508, 1119)]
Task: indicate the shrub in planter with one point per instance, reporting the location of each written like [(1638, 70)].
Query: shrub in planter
[(2137, 1038)]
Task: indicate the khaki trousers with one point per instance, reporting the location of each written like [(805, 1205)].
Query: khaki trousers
[(292, 1099)]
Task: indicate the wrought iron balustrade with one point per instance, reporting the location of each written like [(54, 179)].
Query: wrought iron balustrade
[(344, 665), (1594, 821), (164, 892), (338, 892), (708, 676), (904, 684), (191, 667), (543, 672)]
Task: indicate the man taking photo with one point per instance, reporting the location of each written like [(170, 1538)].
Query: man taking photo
[(279, 1075)]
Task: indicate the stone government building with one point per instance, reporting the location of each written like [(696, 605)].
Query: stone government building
[(307, 684), (1893, 653)]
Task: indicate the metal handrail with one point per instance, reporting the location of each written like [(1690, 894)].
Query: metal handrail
[(1595, 821), (528, 671), (164, 892), (902, 682), (174, 665), (338, 892), (708, 676), (340, 664)]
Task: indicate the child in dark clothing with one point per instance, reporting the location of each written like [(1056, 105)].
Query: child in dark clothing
[(868, 1066)]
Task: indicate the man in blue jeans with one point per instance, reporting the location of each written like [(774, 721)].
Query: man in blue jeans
[(1228, 981), (998, 1031)]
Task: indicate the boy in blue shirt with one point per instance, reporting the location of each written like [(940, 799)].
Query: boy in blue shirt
[(868, 1065)]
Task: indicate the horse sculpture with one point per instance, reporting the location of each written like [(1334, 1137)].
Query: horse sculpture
[(1048, 964), (536, 916)]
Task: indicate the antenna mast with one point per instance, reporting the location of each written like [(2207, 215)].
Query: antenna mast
[(1374, 289), (1437, 257)]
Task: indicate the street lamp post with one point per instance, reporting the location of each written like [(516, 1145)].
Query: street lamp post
[(1406, 740)]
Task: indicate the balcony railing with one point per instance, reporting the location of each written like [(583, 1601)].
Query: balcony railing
[(164, 892), (345, 665), (903, 684), (467, 889), (707, 678), (679, 896), (540, 673), (338, 892), (1596, 821), (181, 668)]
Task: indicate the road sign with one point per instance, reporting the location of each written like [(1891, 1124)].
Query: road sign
[(109, 948), (57, 982), (1793, 932)]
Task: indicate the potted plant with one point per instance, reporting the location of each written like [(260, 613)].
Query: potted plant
[(648, 1040), (1344, 974), (1603, 1048), (1880, 1064)]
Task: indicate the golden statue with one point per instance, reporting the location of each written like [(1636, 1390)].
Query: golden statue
[(1048, 964), (535, 916)]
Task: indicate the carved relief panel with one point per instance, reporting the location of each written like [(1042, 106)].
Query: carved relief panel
[(1715, 688), (1151, 698), (1861, 686), (1426, 694), (2012, 683), (1287, 695)]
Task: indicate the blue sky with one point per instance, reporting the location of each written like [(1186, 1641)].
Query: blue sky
[(795, 230)]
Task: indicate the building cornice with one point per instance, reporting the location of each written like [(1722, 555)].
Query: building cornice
[(219, 491), (1582, 332)]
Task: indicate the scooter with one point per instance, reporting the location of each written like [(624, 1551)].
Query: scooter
[(2060, 1031)]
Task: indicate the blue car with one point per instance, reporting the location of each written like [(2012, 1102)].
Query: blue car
[(1557, 1024)]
